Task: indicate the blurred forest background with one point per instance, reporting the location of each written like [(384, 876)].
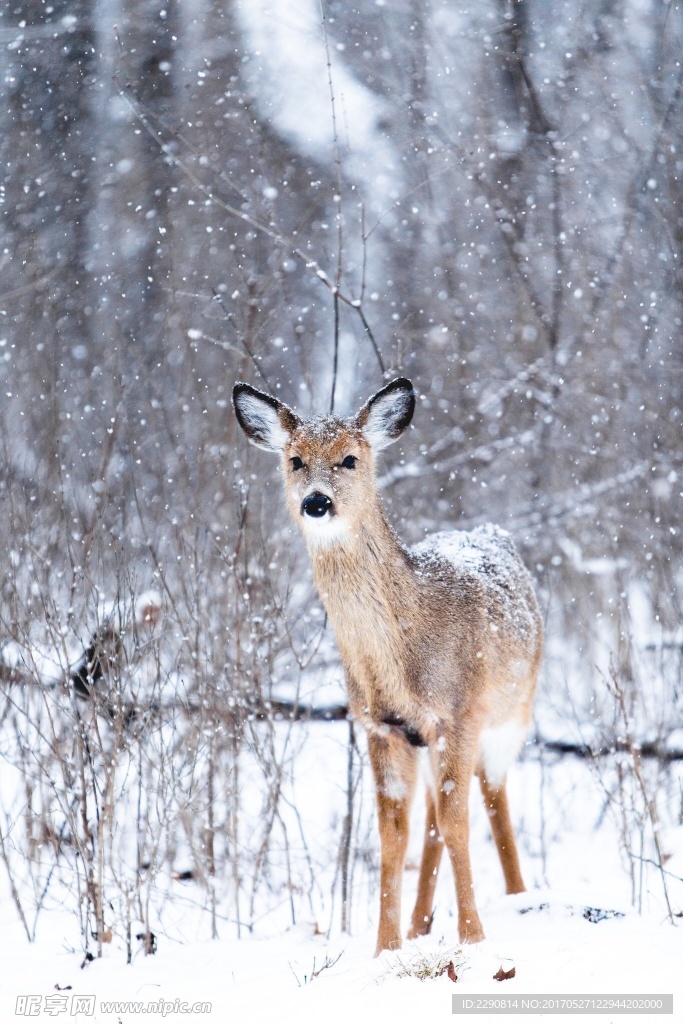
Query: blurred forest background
[(494, 193)]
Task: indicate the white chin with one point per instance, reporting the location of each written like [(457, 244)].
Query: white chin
[(325, 532)]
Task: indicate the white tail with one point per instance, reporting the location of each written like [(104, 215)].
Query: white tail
[(441, 643)]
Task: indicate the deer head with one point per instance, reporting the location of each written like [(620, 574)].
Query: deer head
[(327, 462)]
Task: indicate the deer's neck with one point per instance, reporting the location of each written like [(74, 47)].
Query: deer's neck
[(371, 556), (369, 591)]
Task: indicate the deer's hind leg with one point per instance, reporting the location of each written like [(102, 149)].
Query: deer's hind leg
[(394, 765), (496, 803), (421, 922)]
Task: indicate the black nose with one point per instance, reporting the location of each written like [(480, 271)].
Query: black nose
[(316, 505)]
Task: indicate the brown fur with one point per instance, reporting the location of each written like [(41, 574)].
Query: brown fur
[(431, 654)]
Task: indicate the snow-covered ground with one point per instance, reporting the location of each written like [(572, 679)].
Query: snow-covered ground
[(554, 951), (572, 861)]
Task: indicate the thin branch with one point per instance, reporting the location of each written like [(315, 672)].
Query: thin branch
[(338, 200), (335, 358), (243, 341)]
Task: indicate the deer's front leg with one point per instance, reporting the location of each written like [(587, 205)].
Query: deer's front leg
[(421, 923), (394, 764), (454, 769)]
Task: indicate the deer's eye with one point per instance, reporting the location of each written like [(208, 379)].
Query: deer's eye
[(349, 462), (296, 463)]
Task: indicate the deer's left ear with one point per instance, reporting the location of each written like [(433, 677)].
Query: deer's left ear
[(387, 414), (266, 422)]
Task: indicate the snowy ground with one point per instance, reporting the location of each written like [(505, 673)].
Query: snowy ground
[(571, 859), (554, 951)]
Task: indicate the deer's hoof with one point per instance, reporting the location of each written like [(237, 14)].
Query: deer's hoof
[(419, 928), (388, 944)]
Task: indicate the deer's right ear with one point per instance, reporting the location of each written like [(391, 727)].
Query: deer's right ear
[(266, 422)]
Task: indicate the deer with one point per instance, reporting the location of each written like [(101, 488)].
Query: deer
[(441, 643)]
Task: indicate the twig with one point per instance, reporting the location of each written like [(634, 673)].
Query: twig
[(243, 341), (345, 848), (338, 200), (335, 359), (648, 860), (13, 888), (617, 691)]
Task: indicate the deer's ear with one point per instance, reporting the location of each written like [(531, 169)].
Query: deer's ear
[(266, 422), (386, 415)]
